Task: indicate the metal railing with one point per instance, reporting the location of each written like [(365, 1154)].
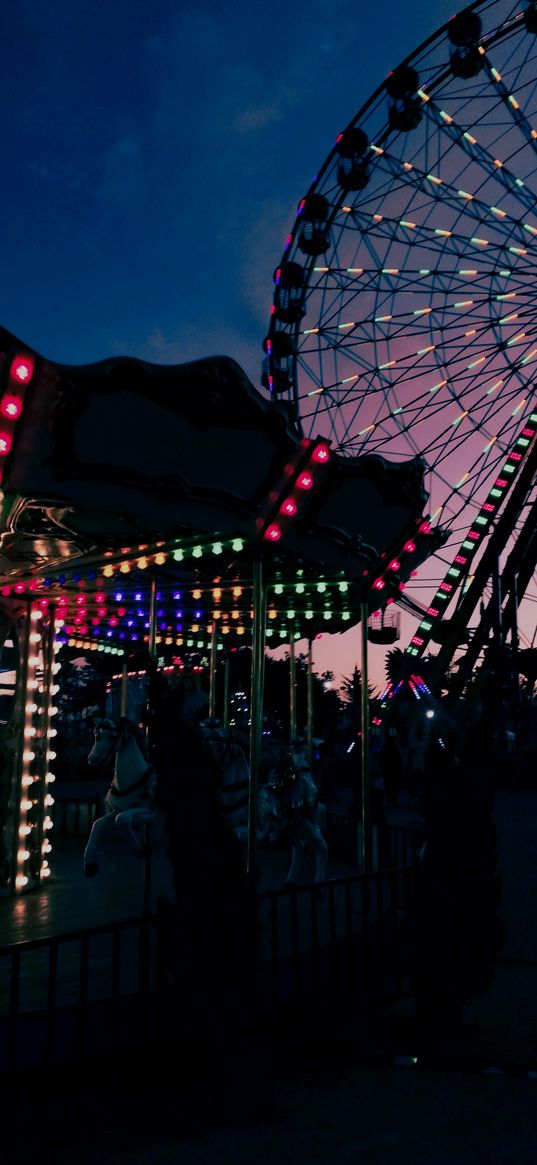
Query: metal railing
[(331, 946), (65, 997), (392, 845)]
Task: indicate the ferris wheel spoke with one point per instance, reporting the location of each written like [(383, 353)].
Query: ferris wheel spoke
[(443, 194), (512, 104), (493, 167), (412, 327)]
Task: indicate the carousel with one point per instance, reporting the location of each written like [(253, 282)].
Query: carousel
[(171, 511)]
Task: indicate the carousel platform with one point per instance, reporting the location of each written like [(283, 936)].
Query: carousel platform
[(69, 901), (126, 886)]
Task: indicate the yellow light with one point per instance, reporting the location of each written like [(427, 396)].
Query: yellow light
[(160, 559)]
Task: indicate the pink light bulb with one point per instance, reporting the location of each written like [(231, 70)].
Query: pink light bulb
[(304, 480), (22, 368)]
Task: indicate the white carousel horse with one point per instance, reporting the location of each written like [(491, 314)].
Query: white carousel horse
[(130, 800), (287, 805), (225, 747)]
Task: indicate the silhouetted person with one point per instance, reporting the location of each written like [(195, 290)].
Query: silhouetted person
[(211, 930)]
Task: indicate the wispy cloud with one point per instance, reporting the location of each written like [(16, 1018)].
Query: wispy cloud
[(249, 121)]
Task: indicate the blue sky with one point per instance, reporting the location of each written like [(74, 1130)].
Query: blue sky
[(154, 156)]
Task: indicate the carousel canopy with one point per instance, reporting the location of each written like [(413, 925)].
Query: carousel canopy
[(114, 471)]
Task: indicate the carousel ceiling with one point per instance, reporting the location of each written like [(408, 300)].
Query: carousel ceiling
[(116, 472)]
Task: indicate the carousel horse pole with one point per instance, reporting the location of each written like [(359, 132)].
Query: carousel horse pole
[(129, 801)]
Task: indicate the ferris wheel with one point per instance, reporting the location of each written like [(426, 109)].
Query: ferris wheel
[(404, 317)]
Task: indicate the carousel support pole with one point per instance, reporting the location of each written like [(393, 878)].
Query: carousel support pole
[(124, 693), (20, 699), (48, 639), (309, 726), (366, 822), (152, 649), (256, 711), (152, 636), (292, 686), (212, 671), (225, 712)]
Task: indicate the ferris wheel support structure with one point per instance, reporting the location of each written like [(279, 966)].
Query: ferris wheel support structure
[(498, 618), (513, 504)]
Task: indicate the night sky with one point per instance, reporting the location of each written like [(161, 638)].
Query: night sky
[(154, 156)]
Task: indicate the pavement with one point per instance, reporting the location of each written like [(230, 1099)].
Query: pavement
[(472, 1099)]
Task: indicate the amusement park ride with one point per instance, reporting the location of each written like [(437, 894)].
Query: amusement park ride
[(177, 508)]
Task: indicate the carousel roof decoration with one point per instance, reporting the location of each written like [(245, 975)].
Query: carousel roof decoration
[(121, 470)]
